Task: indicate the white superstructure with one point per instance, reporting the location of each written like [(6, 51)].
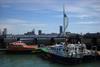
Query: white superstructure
[(70, 50)]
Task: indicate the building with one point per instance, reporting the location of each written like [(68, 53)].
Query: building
[(33, 31), (39, 32), (4, 31), (60, 29), (30, 33)]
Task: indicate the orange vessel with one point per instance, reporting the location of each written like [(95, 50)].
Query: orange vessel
[(19, 46)]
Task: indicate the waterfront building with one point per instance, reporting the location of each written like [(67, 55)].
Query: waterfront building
[(5, 31), (39, 32), (60, 29), (33, 31), (30, 33)]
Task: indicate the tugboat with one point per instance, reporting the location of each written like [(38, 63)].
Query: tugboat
[(20, 47), (67, 53)]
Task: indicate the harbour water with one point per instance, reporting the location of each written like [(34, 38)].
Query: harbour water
[(31, 60)]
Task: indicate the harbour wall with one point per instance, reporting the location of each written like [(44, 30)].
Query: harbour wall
[(88, 40)]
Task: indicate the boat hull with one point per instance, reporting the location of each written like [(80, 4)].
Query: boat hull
[(59, 59), (66, 60), (21, 50)]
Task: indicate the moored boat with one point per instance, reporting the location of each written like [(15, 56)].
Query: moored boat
[(20, 47), (67, 53)]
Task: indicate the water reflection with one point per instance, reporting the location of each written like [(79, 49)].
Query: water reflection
[(35, 61)]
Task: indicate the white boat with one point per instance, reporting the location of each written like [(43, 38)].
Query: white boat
[(67, 53)]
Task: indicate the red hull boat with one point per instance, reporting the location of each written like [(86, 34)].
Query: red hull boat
[(19, 46)]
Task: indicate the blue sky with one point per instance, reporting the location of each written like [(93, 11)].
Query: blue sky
[(20, 16)]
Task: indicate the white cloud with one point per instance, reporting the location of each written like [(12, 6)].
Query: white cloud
[(11, 21), (5, 6), (20, 26), (77, 8), (88, 22)]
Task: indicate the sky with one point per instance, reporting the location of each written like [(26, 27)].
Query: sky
[(21, 16)]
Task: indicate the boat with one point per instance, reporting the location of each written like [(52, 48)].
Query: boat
[(21, 47), (67, 53)]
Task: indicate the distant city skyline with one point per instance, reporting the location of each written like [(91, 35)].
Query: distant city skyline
[(21, 16)]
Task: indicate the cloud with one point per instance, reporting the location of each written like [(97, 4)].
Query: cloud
[(88, 22), (5, 6), (11, 21), (17, 26), (83, 11), (85, 7), (78, 6)]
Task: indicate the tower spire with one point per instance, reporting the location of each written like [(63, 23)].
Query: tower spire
[(65, 21)]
